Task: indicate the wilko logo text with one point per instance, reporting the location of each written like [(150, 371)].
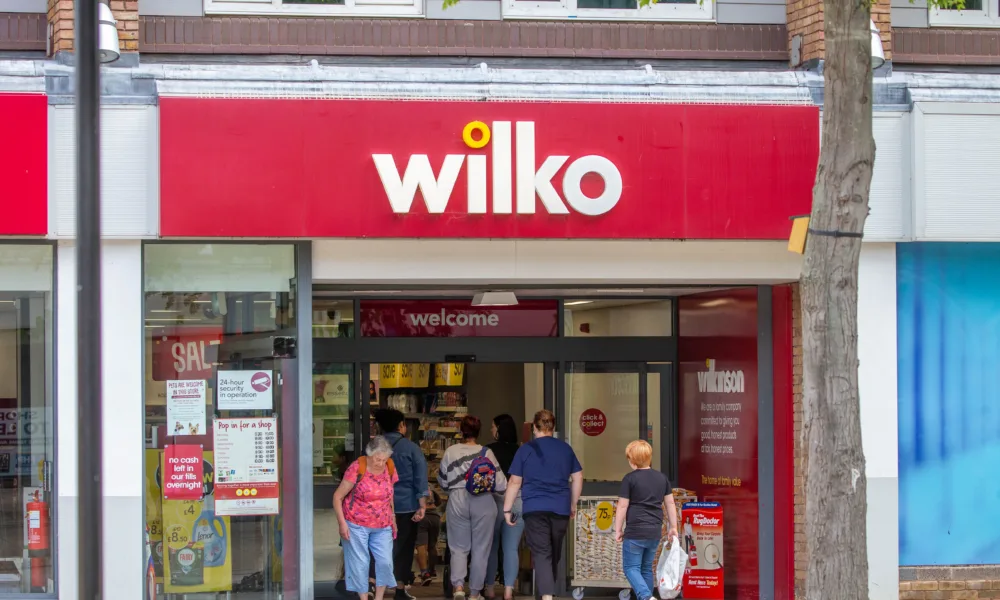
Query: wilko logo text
[(705, 521), (518, 167), (720, 382)]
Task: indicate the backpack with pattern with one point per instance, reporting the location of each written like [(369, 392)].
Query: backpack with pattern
[(481, 477)]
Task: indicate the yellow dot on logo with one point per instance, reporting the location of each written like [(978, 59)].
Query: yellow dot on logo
[(253, 492), (239, 492), (484, 135)]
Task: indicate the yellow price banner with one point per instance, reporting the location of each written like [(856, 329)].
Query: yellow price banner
[(403, 375), (154, 508), (449, 374)]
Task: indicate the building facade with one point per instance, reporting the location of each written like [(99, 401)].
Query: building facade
[(339, 174)]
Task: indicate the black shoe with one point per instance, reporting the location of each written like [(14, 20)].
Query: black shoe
[(403, 594)]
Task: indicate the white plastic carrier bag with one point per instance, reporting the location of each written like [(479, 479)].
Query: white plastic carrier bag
[(670, 570)]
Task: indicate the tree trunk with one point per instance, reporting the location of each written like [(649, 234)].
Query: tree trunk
[(835, 482)]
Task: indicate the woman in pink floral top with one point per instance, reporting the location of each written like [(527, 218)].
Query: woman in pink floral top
[(363, 503)]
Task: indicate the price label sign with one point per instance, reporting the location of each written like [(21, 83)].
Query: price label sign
[(246, 466)]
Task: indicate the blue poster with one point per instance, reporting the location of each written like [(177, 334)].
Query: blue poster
[(949, 403)]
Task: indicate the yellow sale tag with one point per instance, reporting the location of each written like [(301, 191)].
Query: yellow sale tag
[(449, 374), (605, 516)]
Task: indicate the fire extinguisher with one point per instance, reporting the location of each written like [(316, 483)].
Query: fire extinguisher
[(38, 527), (38, 541)]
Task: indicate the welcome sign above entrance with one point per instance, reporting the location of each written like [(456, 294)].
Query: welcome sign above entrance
[(457, 318), (296, 168)]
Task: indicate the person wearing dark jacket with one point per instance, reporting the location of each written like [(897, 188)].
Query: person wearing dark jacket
[(506, 538), (409, 494)]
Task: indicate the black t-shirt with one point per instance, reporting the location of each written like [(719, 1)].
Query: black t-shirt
[(504, 451), (644, 489)]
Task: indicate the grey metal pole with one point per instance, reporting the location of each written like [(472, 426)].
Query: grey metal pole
[(88, 298)]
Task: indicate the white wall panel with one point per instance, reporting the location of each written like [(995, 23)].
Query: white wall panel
[(66, 421), (890, 179), (887, 202), (956, 184), (878, 395), (129, 171), (553, 262)]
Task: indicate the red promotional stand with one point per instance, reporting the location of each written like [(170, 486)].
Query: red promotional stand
[(701, 528)]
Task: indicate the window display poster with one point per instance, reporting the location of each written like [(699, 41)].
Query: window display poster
[(154, 509), (198, 544), (718, 460), (245, 390), (186, 406), (246, 466), (183, 473), (702, 529)]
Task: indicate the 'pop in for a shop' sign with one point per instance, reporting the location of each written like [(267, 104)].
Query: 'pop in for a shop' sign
[(245, 390)]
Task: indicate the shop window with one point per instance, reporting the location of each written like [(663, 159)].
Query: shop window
[(217, 318), (610, 10), (316, 8), (976, 13), (333, 318), (616, 318), (27, 521)]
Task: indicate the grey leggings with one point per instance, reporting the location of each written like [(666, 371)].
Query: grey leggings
[(470, 531)]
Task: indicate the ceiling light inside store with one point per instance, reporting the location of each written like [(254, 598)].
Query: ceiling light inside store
[(494, 299), (716, 302), (578, 302)]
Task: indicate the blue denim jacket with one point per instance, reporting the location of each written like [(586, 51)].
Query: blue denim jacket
[(411, 466)]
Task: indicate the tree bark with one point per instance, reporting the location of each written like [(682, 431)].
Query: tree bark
[(836, 503)]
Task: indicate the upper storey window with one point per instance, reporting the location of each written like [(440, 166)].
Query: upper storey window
[(317, 8), (977, 13)]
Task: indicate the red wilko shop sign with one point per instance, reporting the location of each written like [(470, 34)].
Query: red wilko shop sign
[(456, 318), (389, 169), (24, 164)]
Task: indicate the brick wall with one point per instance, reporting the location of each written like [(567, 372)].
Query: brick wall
[(798, 489), (805, 29), (60, 17), (944, 583)]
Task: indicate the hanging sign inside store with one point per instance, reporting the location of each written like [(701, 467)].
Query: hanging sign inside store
[(189, 353), (182, 472), (593, 422), (404, 375), (246, 466), (449, 374), (458, 318), (501, 170), (702, 528), (245, 390), (186, 407)]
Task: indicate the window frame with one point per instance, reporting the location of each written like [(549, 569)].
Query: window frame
[(988, 17), (699, 12), (354, 8)]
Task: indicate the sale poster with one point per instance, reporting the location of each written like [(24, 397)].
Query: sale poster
[(183, 473), (245, 390), (702, 530), (197, 546), (246, 466), (186, 406)]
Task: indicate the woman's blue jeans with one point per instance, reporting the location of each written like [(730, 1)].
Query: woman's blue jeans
[(510, 537), (637, 562)]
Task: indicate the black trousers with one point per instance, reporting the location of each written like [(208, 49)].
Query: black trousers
[(403, 548), (544, 533)]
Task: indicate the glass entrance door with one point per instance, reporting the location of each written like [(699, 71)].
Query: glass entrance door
[(606, 405)]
